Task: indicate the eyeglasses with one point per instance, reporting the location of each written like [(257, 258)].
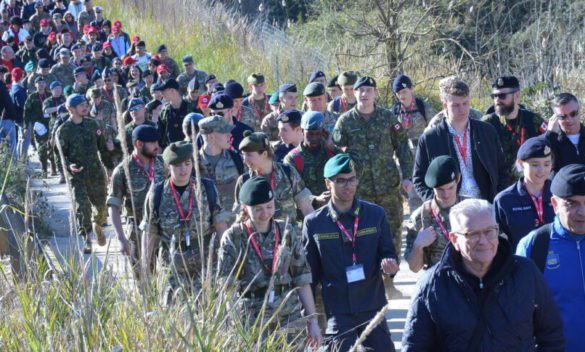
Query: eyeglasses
[(572, 115), (502, 96), (344, 182), (473, 236)]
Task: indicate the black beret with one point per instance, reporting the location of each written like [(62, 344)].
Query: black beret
[(332, 82), (220, 101), (569, 181), (254, 142), (39, 78), (209, 78), (506, 82), (315, 75), (97, 47), (234, 90), (401, 82), (365, 82), (442, 170), (177, 152), (44, 63), (161, 47), (314, 90), (187, 59), (78, 70), (287, 87), (535, 147), (339, 164), (292, 116), (256, 190), (145, 133), (217, 88), (153, 104), (170, 83)]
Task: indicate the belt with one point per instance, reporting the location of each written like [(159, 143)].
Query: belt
[(261, 292)]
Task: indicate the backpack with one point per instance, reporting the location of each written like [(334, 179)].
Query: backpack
[(237, 160), (540, 246), (299, 163), (209, 190), (420, 106), (336, 104)]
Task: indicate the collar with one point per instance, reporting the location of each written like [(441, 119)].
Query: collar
[(521, 188), (437, 208), (562, 232), (452, 130), (354, 211), (562, 135)]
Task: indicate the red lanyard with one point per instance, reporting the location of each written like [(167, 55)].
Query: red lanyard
[(253, 104), (522, 134), (258, 251), (462, 147), (150, 173), (271, 179), (537, 201), (182, 217), (440, 223), (408, 113), (352, 240), (239, 114), (343, 104), (41, 98)]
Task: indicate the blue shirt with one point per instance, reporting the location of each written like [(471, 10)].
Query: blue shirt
[(565, 274), (516, 213), (329, 253)]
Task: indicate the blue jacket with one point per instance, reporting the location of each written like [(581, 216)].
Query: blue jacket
[(565, 274), (516, 213), (329, 253), (513, 298), (18, 95)]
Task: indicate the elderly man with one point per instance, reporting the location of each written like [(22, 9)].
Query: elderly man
[(480, 297), (556, 249), (474, 144)]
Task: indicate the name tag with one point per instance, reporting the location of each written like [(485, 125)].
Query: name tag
[(271, 296), (522, 208), (355, 273)]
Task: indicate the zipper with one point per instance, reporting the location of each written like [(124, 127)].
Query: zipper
[(581, 264)]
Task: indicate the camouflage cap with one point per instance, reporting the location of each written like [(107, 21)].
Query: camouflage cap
[(256, 78), (254, 142), (215, 123), (177, 152)]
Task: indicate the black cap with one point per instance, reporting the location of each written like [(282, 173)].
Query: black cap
[(506, 82), (365, 82), (153, 104), (256, 190), (234, 90), (78, 70), (535, 147), (145, 133), (170, 83), (569, 181), (292, 116), (442, 170), (221, 101), (314, 90)]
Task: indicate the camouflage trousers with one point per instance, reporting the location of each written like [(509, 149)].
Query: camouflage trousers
[(45, 153), (134, 238), (89, 193)]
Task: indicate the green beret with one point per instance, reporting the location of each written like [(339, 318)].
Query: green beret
[(274, 99), (365, 82), (314, 90), (347, 78), (177, 152), (339, 164), (256, 190), (442, 170), (254, 142)]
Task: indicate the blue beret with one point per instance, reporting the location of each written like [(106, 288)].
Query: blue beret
[(75, 46), (312, 120), (401, 82), (535, 147), (234, 90), (75, 99), (209, 78), (287, 87), (314, 89), (38, 4), (506, 82), (256, 190), (97, 47), (292, 116), (274, 98), (79, 70), (55, 84), (365, 82), (569, 181), (192, 118), (338, 164), (145, 133), (135, 104), (221, 101), (39, 79), (442, 170), (315, 75), (44, 63)]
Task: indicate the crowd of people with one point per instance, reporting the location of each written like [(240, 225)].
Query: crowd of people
[(308, 197)]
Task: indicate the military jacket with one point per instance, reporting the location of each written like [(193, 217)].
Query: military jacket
[(170, 122), (64, 73), (330, 121), (129, 128), (247, 116), (105, 114), (414, 121), (81, 144), (110, 95), (373, 144), (310, 165), (33, 109), (260, 107), (225, 175), (52, 102), (270, 125)]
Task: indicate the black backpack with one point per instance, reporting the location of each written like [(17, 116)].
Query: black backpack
[(540, 244), (237, 160), (209, 190)]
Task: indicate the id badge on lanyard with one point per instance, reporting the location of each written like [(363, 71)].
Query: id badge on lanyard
[(355, 273)]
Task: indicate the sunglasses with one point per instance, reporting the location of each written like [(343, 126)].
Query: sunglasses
[(502, 95), (572, 115)]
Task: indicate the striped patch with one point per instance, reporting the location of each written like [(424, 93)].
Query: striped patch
[(326, 236)]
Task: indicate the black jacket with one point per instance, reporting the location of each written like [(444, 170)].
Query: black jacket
[(564, 151), (518, 308), (489, 169)]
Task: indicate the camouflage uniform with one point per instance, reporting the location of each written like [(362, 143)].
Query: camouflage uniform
[(289, 191), (32, 114), (173, 66), (292, 270), (224, 174), (261, 107), (64, 73), (80, 144), (121, 192), (513, 133), (85, 17), (373, 144), (105, 115), (129, 128), (181, 260), (184, 78), (438, 118), (111, 97), (422, 218), (310, 165), (101, 63), (269, 126), (54, 156), (30, 85), (329, 121), (247, 116)]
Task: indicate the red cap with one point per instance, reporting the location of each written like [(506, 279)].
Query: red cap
[(107, 45), (162, 68), (128, 60), (203, 101), (45, 22), (92, 30), (16, 74), (52, 37), (86, 28), (117, 24)]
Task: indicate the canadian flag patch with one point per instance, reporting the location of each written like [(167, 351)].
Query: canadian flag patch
[(397, 126), (544, 126)]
